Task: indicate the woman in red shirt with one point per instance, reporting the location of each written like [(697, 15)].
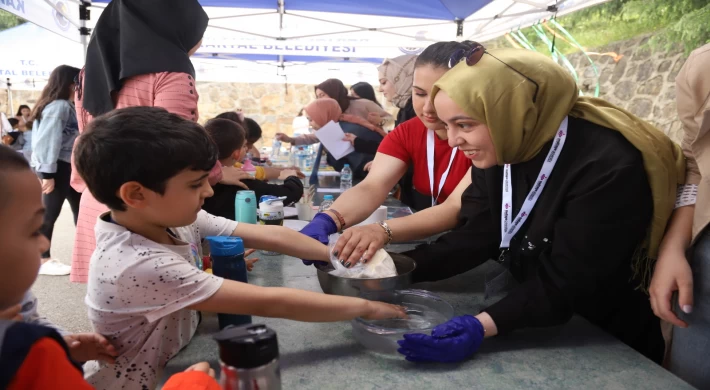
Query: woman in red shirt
[(437, 167)]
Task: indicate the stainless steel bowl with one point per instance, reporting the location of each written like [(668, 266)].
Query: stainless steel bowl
[(335, 285)]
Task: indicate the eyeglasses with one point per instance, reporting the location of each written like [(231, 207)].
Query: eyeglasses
[(473, 55)]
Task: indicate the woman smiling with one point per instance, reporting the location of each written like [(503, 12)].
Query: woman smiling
[(571, 195)]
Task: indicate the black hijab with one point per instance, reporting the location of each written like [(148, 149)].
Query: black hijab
[(134, 37)]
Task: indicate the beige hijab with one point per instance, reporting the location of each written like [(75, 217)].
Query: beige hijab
[(496, 95), (400, 72)]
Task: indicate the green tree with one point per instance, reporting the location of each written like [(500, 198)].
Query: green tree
[(8, 20), (672, 22)]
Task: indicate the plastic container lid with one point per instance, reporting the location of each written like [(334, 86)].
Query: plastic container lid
[(346, 165), (247, 346), (225, 246), (327, 197)]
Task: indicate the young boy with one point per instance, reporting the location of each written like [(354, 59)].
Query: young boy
[(150, 168), (229, 137), (32, 355)]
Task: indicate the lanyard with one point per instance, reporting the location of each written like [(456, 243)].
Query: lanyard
[(510, 227), (430, 166)]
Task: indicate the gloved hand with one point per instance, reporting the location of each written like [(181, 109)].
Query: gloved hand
[(452, 341), (320, 228)]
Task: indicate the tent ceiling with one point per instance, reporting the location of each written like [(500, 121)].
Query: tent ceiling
[(404, 23)]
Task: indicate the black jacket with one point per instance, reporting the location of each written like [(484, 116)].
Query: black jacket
[(574, 253), (222, 202)]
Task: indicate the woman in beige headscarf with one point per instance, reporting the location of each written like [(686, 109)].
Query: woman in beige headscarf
[(396, 77), (571, 194)]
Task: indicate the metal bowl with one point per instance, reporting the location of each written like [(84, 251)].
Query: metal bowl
[(336, 285)]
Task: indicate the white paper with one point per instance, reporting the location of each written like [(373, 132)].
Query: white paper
[(330, 190), (331, 136)]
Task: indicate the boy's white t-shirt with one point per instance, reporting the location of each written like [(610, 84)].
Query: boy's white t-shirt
[(138, 294)]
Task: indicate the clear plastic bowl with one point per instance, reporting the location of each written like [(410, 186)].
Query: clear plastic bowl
[(425, 311)]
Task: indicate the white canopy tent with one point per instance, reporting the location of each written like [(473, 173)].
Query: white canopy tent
[(304, 41)]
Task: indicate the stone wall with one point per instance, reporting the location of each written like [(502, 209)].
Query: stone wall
[(273, 106), (641, 81)]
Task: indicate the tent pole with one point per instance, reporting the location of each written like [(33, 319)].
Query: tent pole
[(85, 32), (9, 97)]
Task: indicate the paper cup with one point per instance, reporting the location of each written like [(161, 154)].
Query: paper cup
[(305, 211)]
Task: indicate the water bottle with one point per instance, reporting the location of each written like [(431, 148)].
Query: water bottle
[(346, 178), (227, 254), (249, 358), (249, 168), (245, 207), (271, 212), (301, 157), (275, 148), (327, 202)]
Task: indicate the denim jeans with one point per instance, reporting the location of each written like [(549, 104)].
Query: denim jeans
[(689, 357)]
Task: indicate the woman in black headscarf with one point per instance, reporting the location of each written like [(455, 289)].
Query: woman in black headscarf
[(139, 55)]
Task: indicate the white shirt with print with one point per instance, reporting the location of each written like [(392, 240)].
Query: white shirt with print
[(138, 294)]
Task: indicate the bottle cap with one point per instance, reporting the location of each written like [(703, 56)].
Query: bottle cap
[(225, 246), (327, 197), (247, 346), (346, 165)]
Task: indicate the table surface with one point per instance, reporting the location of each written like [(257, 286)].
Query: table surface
[(325, 355)]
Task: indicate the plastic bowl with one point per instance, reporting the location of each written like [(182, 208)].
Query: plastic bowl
[(425, 310)]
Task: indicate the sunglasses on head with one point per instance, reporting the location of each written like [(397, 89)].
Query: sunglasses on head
[(473, 55)]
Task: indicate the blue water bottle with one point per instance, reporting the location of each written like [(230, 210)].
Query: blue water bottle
[(227, 255), (245, 207)]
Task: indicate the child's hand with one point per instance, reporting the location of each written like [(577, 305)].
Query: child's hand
[(90, 346), (383, 311), (250, 262), (202, 366), (12, 313), (286, 173)]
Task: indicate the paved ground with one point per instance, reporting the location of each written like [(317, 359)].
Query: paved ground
[(60, 300)]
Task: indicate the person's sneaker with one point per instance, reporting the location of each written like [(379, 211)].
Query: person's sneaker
[(54, 267)]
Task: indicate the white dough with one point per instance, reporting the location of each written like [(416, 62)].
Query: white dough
[(379, 266)]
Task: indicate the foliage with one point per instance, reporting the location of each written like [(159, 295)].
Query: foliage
[(8, 20), (672, 22)]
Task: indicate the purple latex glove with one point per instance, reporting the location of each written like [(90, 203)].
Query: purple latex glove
[(320, 228), (452, 341)]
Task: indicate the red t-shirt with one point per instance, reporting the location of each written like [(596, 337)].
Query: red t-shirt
[(408, 141)]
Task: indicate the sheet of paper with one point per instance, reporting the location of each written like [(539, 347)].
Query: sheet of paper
[(331, 136), (329, 190)]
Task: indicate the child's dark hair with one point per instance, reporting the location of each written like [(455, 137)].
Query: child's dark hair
[(231, 115), (10, 161), (144, 144), (253, 130), (437, 55), (227, 135)]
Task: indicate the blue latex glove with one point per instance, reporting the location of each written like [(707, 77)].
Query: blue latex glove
[(320, 228), (452, 341)]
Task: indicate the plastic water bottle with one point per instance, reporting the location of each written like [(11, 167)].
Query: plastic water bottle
[(227, 255), (275, 148), (249, 168), (346, 178), (327, 202), (301, 156)]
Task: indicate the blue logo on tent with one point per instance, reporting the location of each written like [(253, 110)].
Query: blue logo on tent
[(59, 19), (411, 50)]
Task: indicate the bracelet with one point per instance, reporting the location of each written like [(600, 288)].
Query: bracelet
[(387, 229), (340, 218)]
